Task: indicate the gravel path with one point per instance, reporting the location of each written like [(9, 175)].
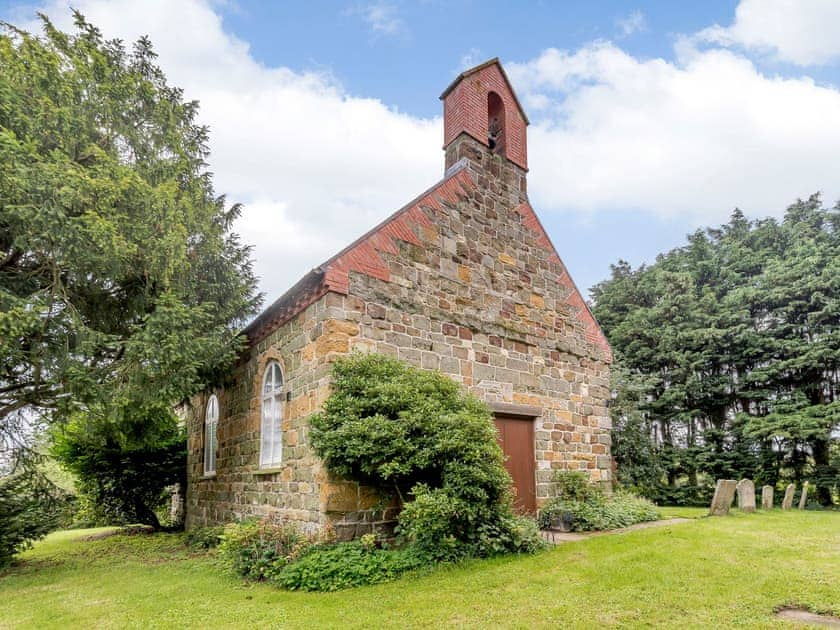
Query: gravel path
[(561, 537)]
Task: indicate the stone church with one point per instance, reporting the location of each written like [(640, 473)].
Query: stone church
[(462, 279)]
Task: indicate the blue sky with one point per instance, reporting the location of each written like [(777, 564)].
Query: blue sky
[(649, 119), (417, 47)]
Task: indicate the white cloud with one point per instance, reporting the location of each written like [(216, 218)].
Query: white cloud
[(803, 32), (695, 138), (469, 59), (633, 23), (315, 166), (382, 18)]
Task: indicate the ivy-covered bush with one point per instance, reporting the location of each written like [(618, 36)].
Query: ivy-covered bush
[(344, 565), (282, 554), (586, 507), (418, 434)]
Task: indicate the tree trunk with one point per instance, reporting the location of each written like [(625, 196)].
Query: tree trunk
[(820, 450), (147, 516)]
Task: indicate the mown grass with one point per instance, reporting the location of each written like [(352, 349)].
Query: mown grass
[(707, 573)]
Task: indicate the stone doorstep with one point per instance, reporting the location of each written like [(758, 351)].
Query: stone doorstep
[(556, 537)]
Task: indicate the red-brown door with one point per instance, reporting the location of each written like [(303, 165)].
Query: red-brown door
[(516, 437)]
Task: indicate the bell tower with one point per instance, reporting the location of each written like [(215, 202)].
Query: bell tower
[(481, 104)]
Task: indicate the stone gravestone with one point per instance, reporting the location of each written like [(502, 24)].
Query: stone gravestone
[(746, 495), (803, 500), (722, 501), (767, 498), (787, 502)]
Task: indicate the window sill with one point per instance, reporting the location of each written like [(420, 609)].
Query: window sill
[(207, 477), (268, 471)]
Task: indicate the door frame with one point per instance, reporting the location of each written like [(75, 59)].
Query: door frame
[(523, 413)]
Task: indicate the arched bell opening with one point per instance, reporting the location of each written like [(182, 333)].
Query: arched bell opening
[(495, 123)]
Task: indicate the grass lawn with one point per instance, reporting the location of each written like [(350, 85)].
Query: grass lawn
[(707, 573)]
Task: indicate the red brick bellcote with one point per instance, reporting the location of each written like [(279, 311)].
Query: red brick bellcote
[(481, 103)]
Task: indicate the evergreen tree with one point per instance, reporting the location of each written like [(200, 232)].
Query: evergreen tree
[(735, 336), (122, 287)]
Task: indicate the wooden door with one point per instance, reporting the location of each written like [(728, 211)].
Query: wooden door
[(516, 437)]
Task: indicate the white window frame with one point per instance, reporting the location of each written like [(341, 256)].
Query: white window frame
[(271, 416), (211, 435)]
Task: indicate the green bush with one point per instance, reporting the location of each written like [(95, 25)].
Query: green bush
[(575, 486), (30, 508), (205, 537), (685, 495), (259, 549), (417, 433), (344, 565), (591, 509)]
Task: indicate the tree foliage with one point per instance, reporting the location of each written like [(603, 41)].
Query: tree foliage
[(734, 339), (30, 508), (122, 286), (417, 433)]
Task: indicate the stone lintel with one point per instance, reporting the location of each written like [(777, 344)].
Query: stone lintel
[(515, 410)]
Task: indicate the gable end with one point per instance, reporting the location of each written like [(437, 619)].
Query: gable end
[(575, 300)]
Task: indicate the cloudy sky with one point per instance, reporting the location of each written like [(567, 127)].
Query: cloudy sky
[(649, 119)]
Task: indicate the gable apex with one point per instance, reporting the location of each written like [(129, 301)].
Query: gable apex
[(490, 62)]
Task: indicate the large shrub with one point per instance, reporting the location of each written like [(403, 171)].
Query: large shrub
[(418, 434), (589, 508)]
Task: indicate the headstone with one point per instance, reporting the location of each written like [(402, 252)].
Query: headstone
[(767, 498), (722, 501), (787, 502), (746, 495), (803, 500)]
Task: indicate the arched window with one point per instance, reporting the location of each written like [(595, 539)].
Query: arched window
[(211, 423), (495, 123), (271, 433)]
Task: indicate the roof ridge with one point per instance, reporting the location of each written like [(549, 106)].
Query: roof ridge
[(450, 172)]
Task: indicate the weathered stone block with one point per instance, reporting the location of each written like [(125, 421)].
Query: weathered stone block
[(341, 326), (339, 497)]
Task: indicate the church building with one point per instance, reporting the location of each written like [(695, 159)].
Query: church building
[(462, 279)]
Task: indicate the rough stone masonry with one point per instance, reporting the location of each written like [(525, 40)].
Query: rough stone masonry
[(464, 280)]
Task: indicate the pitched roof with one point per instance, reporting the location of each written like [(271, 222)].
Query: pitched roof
[(363, 254), (494, 61)]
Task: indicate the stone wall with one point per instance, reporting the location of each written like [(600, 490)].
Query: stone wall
[(477, 291), (299, 489)]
